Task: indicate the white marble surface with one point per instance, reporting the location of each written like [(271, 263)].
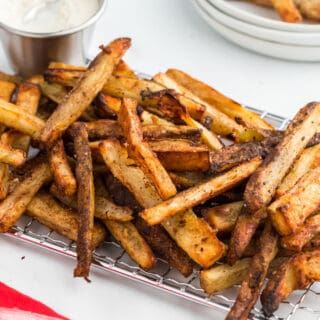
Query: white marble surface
[(165, 34)]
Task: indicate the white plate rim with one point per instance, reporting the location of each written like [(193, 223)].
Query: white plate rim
[(227, 7), (295, 38)]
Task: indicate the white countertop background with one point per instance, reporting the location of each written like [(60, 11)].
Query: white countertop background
[(165, 33)]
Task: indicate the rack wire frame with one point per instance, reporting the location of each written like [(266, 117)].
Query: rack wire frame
[(110, 257)]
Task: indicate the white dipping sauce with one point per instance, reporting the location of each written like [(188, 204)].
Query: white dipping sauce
[(43, 16)]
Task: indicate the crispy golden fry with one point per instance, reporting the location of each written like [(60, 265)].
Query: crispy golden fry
[(62, 220), (243, 232), (10, 78), (303, 234), (189, 198), (313, 244), (8, 155), (64, 77), (53, 91), (13, 206), (123, 70), (104, 207), (294, 273), (181, 155), (263, 183), (150, 118), (107, 106), (61, 170), (13, 117), (85, 199), (203, 92), (223, 218), (310, 158), (254, 279), (132, 242), (165, 247), (139, 150), (184, 180), (61, 65), (191, 234), (224, 276), (85, 91), (287, 10), (290, 211)]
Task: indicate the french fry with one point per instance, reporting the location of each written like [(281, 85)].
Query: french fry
[(223, 218), (132, 242), (107, 106), (244, 229), (202, 92), (220, 122), (61, 170), (222, 277), (150, 164), (62, 65), (291, 210), (287, 10), (85, 91), (303, 234), (184, 180), (14, 205), (53, 91), (62, 220), (310, 158), (262, 185), (10, 156), (191, 234), (85, 199), (189, 198), (254, 279), (294, 273), (104, 207), (181, 155), (165, 247), (13, 117), (103, 129)]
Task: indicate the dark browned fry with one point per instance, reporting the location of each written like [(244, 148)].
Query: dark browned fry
[(61, 170), (244, 230), (253, 281), (294, 273), (71, 108), (85, 199), (165, 247)]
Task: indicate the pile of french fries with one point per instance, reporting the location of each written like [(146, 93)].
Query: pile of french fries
[(169, 167)]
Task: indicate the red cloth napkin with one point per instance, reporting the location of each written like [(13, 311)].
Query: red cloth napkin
[(17, 306)]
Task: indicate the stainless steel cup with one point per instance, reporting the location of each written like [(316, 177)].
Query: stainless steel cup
[(29, 53)]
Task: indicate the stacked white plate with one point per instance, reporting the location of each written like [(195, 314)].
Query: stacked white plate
[(259, 29)]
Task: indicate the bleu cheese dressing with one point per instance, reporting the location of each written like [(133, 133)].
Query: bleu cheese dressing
[(46, 16)]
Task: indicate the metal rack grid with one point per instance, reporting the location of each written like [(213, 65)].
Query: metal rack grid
[(111, 257)]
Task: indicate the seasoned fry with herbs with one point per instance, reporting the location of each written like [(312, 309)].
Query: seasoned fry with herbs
[(85, 199)]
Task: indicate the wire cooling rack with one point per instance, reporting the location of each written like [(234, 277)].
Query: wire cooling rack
[(112, 258)]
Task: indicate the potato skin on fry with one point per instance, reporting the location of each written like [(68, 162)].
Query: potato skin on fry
[(85, 199), (263, 183), (62, 220), (71, 108), (294, 273)]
